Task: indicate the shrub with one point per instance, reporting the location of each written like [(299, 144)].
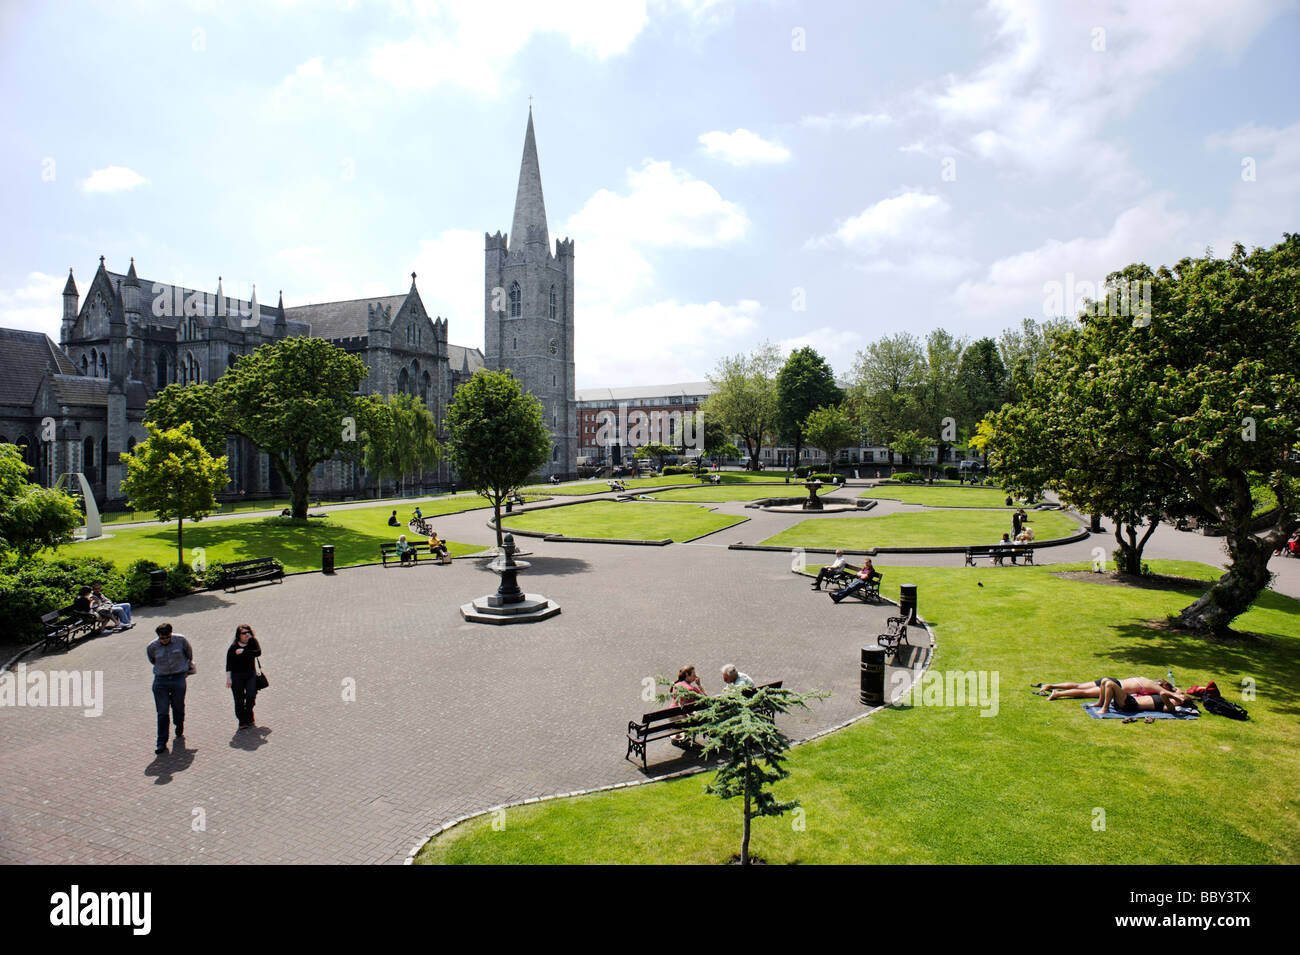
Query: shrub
[(825, 478), (950, 472), (680, 469), (31, 588), (908, 477)]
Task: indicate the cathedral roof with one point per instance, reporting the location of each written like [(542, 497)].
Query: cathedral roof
[(530, 207), (461, 358), (93, 392), (25, 359), (349, 319), (174, 297)]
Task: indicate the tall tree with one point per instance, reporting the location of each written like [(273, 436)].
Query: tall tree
[(399, 437), (296, 400), (744, 397), (830, 430), (173, 475), (1021, 351), (496, 437), (202, 405), (31, 517), (883, 391), (982, 383), (804, 384), (939, 392)]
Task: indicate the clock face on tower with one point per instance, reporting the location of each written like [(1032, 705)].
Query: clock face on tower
[(554, 347)]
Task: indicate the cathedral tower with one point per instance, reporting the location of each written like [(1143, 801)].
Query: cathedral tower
[(528, 310)]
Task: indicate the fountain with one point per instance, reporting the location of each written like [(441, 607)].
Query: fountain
[(509, 604), (814, 503)]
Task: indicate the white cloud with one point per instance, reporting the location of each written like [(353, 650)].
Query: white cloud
[(837, 345), (449, 270), (924, 266), (845, 120), (911, 218), (112, 179), (1264, 166), (467, 43), (36, 306), (1063, 72), (1016, 286), (743, 148), (311, 78)]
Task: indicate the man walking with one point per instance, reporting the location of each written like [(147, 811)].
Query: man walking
[(172, 659)]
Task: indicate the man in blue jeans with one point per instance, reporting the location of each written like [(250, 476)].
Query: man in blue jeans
[(172, 657)]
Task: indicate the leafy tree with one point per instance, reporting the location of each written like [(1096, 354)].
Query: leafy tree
[(981, 382), (31, 516), (830, 430), (1022, 350), (202, 405), (884, 385), (939, 391), (909, 443), (804, 384), (716, 439), (297, 401), (173, 475), (742, 726), (654, 450), (744, 399), (496, 437), (399, 437)]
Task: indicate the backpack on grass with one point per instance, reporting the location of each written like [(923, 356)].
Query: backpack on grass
[(1221, 707)]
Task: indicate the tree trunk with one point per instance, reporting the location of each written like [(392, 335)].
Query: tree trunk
[(299, 489), (180, 536), (1235, 591), (744, 842), (496, 512), (1129, 560)]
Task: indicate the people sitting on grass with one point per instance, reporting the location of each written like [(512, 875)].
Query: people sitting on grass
[(405, 553), (1026, 535), (437, 548), (393, 521), (1136, 685), (831, 569), (286, 513), (866, 574), (555, 479), (1162, 700), (117, 614), (733, 679)]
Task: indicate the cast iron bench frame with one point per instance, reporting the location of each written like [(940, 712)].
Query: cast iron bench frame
[(236, 572), (668, 722)]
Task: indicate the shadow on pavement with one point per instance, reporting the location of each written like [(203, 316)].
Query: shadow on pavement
[(167, 765)]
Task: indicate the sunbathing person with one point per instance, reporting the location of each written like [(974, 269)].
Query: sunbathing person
[(1162, 700), (1092, 689)]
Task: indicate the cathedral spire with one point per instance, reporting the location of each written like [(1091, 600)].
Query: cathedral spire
[(530, 208)]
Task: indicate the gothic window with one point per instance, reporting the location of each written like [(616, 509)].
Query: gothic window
[(515, 343), (130, 445), (94, 363), (230, 360), (87, 456), (555, 454), (85, 365), (103, 461), (419, 336), (103, 364), (160, 371), (403, 382), (553, 308), (424, 388), (516, 300)]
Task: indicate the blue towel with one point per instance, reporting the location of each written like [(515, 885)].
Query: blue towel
[(1113, 714)]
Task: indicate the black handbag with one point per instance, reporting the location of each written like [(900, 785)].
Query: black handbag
[(262, 681)]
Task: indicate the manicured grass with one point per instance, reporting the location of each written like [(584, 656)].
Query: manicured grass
[(631, 520), (441, 504), (595, 487), (927, 784), (926, 529), (356, 535), (737, 492), (939, 496)]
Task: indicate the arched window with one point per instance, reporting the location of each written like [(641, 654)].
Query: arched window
[(94, 363), (88, 456), (160, 371), (403, 382), (103, 364), (425, 382), (231, 359), (516, 300), (85, 365), (554, 309), (555, 454), (191, 369)]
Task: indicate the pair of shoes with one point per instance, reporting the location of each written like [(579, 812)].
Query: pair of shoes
[(836, 598), (160, 750)]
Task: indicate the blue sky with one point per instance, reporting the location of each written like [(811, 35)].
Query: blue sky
[(809, 173)]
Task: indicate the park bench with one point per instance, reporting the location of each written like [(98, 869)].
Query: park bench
[(841, 579), (616, 485), (388, 552), (64, 626), (236, 572), (895, 634), (666, 723), (999, 553)]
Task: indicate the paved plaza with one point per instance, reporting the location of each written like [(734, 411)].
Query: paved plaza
[(388, 714)]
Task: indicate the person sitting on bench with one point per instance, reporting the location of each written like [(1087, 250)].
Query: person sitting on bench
[(119, 615), (436, 547), (733, 679), (404, 552), (1003, 549), (393, 521), (831, 569), (83, 606), (865, 575), (686, 690)]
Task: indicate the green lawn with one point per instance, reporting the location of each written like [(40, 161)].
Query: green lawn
[(737, 492), (928, 784), (356, 535), (633, 520), (441, 504), (926, 529), (939, 496), (593, 487)]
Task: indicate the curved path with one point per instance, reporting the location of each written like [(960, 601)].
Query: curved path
[(446, 718)]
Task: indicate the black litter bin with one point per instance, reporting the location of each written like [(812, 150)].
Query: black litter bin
[(327, 558), (907, 602), (873, 676), (158, 586)]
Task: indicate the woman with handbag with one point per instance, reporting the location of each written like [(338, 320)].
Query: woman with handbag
[(242, 676)]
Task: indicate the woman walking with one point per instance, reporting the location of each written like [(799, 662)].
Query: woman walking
[(241, 673)]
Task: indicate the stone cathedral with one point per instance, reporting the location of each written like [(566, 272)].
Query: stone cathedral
[(76, 405)]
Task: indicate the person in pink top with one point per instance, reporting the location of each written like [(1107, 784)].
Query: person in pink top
[(686, 690)]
